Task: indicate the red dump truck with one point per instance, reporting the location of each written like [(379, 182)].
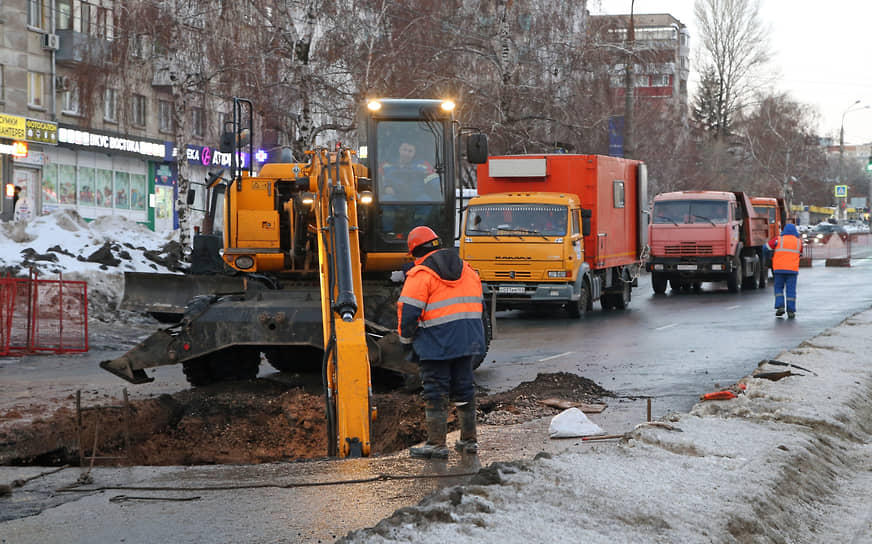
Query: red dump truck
[(700, 236), (557, 230)]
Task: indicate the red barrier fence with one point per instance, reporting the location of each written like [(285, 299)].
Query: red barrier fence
[(838, 246), (43, 315)]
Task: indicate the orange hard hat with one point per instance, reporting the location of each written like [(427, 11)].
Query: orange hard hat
[(421, 235)]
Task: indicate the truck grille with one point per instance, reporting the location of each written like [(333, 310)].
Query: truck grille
[(688, 248), (516, 275)]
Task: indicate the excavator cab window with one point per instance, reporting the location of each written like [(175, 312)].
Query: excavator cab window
[(410, 177)]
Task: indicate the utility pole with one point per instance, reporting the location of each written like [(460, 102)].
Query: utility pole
[(630, 90)]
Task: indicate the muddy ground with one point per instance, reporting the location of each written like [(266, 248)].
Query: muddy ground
[(253, 421)]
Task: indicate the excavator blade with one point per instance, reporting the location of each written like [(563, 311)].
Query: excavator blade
[(170, 293)]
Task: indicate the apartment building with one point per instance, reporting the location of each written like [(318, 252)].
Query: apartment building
[(77, 132), (661, 50)]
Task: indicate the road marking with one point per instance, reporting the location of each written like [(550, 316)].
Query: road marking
[(732, 307), (555, 356), (666, 327)]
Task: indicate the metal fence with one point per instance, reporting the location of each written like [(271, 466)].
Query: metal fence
[(43, 315), (837, 246)]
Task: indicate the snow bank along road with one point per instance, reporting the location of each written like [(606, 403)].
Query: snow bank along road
[(786, 461)]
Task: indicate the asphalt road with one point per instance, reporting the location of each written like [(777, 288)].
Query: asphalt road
[(675, 346), (670, 347)]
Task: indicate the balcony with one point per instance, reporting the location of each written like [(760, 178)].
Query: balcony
[(80, 48)]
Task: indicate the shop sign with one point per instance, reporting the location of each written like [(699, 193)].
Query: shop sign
[(207, 156), (43, 132), (12, 127), (16, 149), (98, 141)]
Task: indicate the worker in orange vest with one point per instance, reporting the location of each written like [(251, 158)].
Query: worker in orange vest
[(786, 251), (440, 324)]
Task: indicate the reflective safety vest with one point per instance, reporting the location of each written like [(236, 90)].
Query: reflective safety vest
[(786, 254), (442, 319)]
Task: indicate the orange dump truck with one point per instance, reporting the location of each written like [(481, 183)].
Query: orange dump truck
[(558, 231), (706, 236)]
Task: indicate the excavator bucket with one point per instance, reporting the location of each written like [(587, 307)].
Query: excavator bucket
[(167, 295)]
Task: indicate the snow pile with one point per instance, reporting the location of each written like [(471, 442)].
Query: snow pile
[(98, 252), (787, 461)]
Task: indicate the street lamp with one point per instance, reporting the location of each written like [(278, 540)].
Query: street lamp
[(848, 110)]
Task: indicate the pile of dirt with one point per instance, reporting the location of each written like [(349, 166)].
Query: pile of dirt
[(252, 421)]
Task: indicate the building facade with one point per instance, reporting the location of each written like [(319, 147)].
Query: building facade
[(661, 53), (75, 132)]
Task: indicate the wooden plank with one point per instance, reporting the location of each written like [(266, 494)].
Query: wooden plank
[(564, 404)]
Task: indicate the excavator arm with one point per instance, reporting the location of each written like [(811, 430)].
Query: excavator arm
[(346, 362)]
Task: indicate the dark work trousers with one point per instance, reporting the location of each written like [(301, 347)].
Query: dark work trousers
[(450, 378), (785, 282)]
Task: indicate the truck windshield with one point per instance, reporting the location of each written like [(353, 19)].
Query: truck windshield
[(516, 220), (690, 211)]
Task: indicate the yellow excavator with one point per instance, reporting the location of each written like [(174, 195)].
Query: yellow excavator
[(306, 267)]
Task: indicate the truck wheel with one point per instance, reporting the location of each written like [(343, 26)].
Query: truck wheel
[(622, 300), (734, 279), (579, 309), (675, 284), (658, 282), (763, 277), (750, 282)]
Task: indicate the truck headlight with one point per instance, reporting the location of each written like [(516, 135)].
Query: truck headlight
[(717, 267), (658, 267), (244, 262), (557, 274)]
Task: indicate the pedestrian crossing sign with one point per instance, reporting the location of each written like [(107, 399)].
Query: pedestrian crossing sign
[(841, 191)]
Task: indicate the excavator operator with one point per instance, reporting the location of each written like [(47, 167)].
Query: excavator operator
[(440, 324)]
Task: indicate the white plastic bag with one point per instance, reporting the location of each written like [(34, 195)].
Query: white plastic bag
[(571, 423)]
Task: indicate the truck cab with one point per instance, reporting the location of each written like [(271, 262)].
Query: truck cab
[(527, 247), (706, 236)]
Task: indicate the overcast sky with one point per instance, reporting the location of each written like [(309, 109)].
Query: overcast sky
[(822, 50)]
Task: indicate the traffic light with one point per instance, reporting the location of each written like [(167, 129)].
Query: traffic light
[(869, 164)]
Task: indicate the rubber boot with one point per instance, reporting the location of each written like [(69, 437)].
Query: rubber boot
[(779, 312), (437, 427), (468, 442)]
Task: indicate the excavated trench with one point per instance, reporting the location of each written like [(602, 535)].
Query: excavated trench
[(253, 421)]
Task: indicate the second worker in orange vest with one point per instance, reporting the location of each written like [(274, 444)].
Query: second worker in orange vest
[(786, 251)]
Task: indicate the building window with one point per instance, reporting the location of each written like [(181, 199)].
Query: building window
[(165, 116), (110, 106), (35, 13), (65, 14), (2, 84), (660, 81), (35, 90), (197, 121), (138, 110), (71, 100)]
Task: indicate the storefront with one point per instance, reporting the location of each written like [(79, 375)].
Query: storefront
[(24, 144), (100, 173)]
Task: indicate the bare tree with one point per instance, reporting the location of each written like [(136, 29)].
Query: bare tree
[(734, 45)]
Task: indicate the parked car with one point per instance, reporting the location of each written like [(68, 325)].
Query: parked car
[(822, 233)]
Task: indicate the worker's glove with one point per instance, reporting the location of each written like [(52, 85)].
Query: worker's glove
[(398, 276)]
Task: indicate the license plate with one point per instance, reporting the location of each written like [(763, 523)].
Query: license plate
[(511, 289), (686, 267)]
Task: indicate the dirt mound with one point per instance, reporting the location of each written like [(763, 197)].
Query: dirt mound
[(252, 421)]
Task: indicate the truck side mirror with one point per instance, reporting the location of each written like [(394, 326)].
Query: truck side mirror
[(191, 195), (585, 221), (476, 148)]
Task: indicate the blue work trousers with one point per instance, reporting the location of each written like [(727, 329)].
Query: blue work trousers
[(448, 378), (785, 282)]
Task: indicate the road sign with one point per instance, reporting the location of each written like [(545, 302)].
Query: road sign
[(841, 191)]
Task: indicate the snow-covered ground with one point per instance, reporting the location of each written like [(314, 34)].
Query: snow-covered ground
[(63, 243), (786, 461)]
